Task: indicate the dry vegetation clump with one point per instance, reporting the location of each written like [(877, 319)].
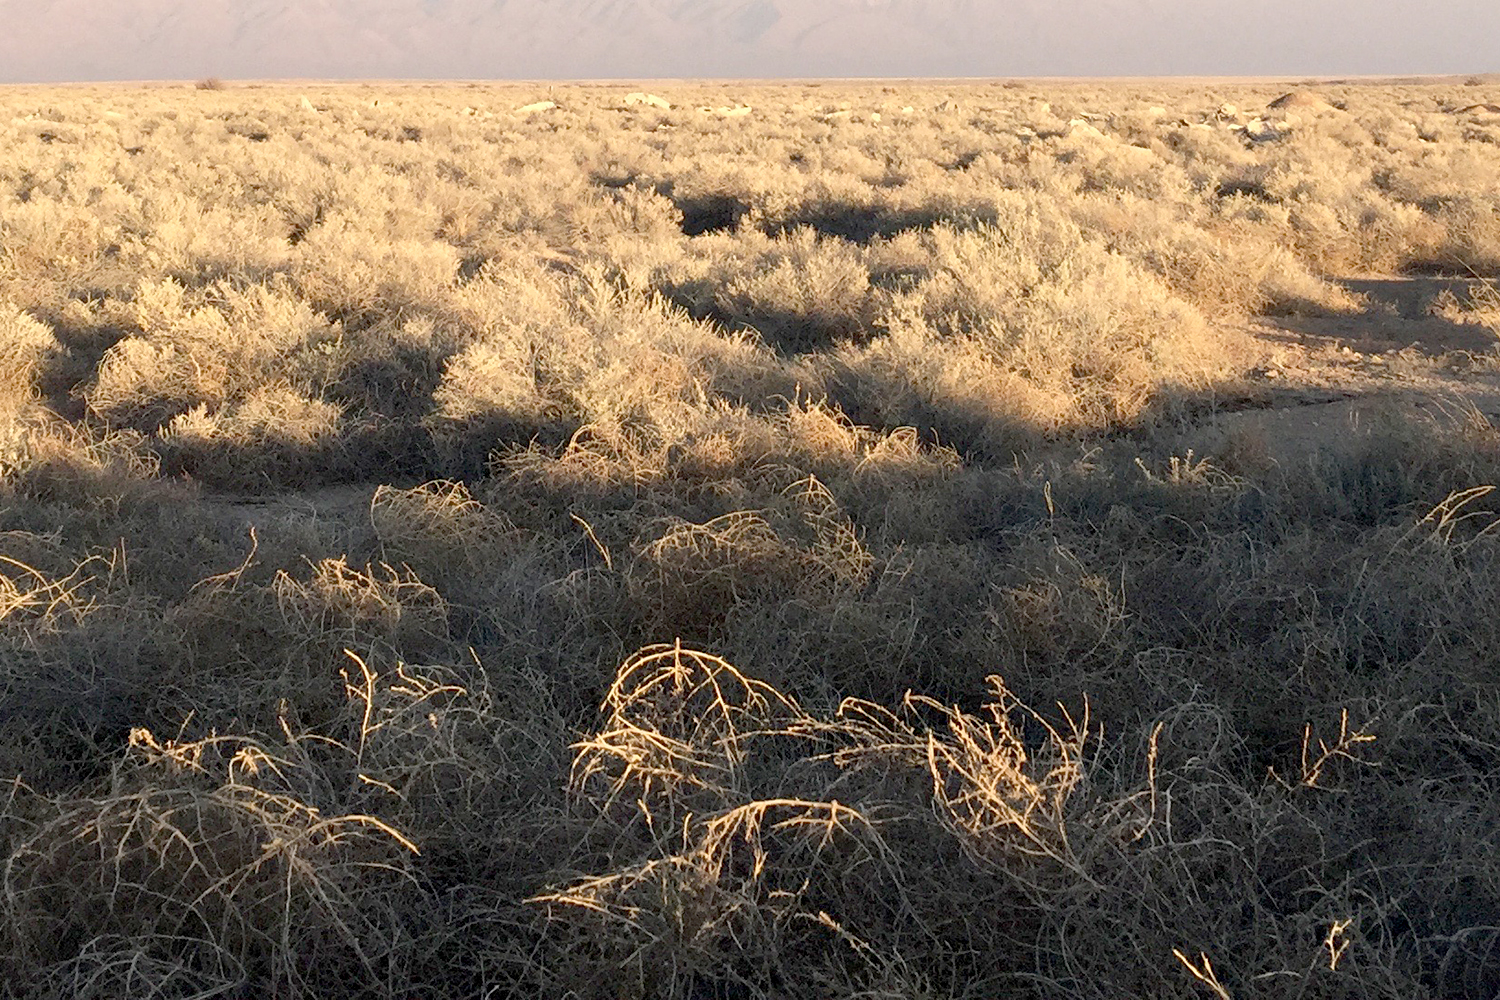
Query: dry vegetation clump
[(26, 346), (805, 293), (480, 541)]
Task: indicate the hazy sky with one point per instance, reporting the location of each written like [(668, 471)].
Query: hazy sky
[(59, 40)]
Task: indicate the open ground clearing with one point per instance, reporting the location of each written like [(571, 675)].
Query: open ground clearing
[(713, 541)]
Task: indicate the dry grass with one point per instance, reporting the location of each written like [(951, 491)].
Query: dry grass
[(622, 551)]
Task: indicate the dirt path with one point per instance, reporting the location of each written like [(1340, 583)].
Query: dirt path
[(1327, 384), (340, 511)]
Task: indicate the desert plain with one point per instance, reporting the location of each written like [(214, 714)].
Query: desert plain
[(849, 540)]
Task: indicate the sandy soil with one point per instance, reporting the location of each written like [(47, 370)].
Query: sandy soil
[(1329, 383)]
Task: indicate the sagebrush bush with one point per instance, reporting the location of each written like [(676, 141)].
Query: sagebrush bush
[(26, 346)]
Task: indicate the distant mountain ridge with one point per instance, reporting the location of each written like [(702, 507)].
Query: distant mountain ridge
[(54, 40)]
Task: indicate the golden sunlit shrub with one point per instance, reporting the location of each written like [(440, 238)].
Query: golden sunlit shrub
[(803, 294), (201, 347), (25, 346)]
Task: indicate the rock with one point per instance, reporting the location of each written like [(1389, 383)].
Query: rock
[(1261, 130), (1479, 109), (529, 109), (642, 99), (1298, 107), (307, 105), (1304, 101)]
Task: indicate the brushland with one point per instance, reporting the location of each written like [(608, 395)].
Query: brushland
[(743, 542)]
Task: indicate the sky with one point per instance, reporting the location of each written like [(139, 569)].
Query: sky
[(85, 40)]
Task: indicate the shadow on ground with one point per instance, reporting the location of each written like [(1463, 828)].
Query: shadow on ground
[(1400, 313)]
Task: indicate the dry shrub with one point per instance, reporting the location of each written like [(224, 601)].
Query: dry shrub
[(902, 457), (693, 575), (1028, 326), (270, 414), (728, 443), (199, 348), (1226, 271), (677, 762), (957, 395), (78, 645), (1472, 240), (596, 355), (275, 434), (819, 434), (290, 630), (806, 293), (1339, 223), (141, 384), (494, 381), (1034, 284), (598, 460), (997, 798), (723, 448), (644, 353), (48, 241), (39, 593), (1078, 869), (441, 531), (493, 389), (341, 606), (196, 244), (1060, 612), (113, 966), (222, 860), (25, 347), (489, 396), (73, 464), (676, 735), (1288, 288), (357, 275), (247, 870), (1486, 296)]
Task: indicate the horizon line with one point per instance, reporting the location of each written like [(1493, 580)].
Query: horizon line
[(1389, 79)]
